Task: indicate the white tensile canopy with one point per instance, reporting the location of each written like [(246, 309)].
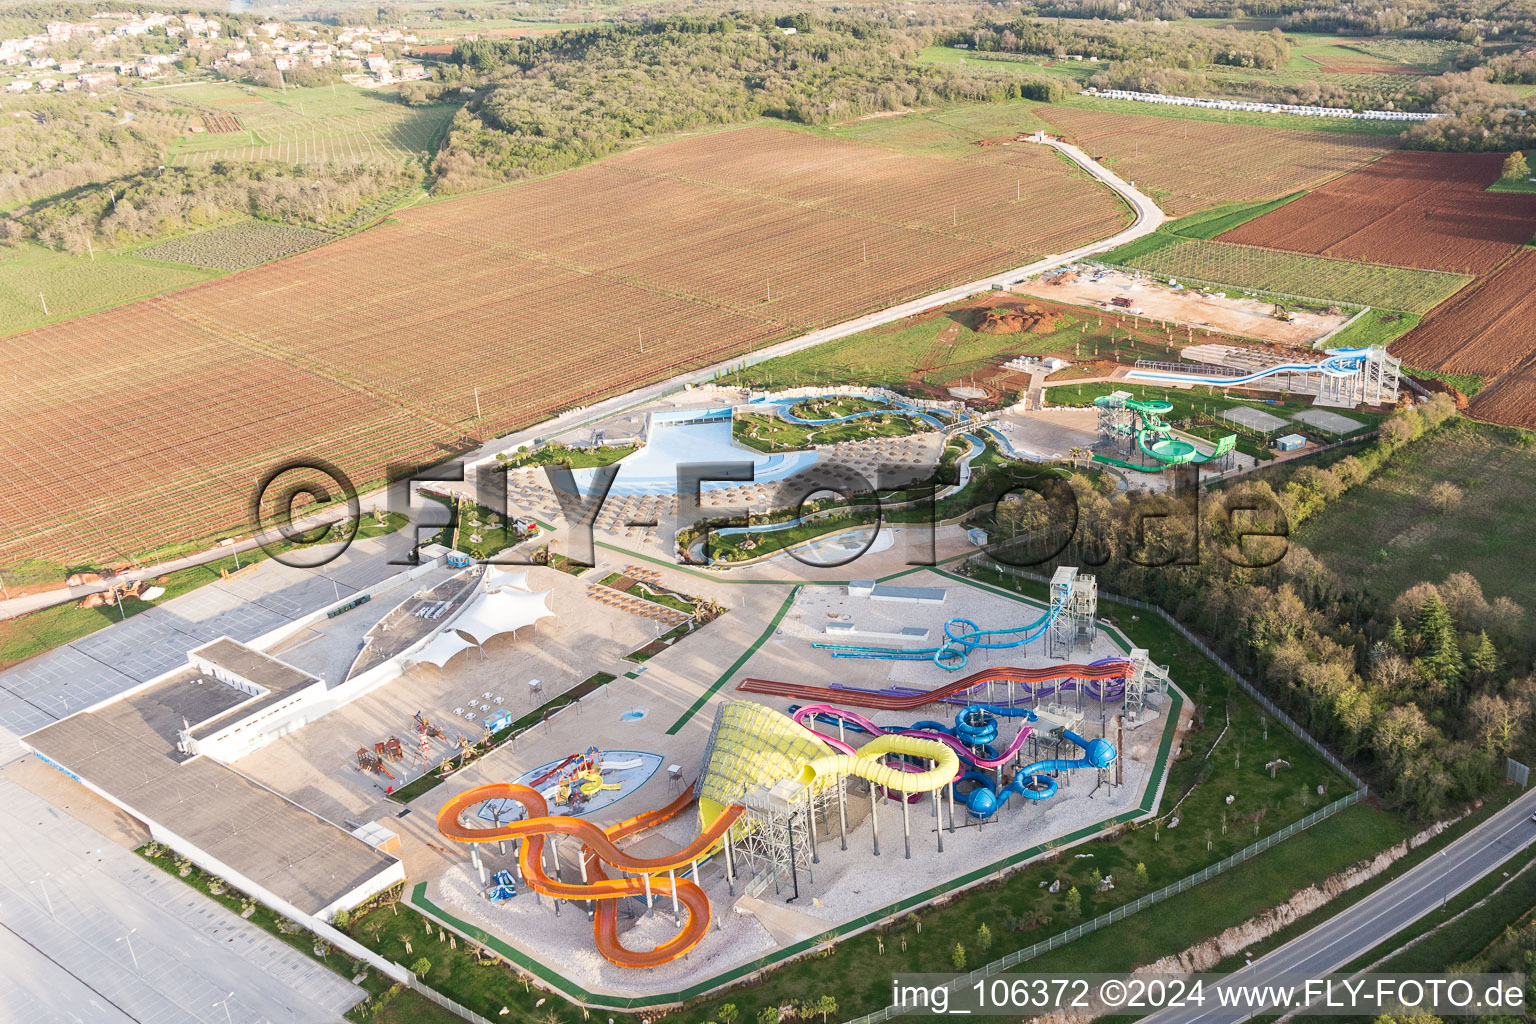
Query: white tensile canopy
[(442, 648), (502, 579), (502, 612)]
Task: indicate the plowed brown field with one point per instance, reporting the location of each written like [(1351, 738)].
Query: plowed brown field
[(1511, 399), (1426, 210), (1485, 330), (151, 423), (1191, 165), (1490, 331)]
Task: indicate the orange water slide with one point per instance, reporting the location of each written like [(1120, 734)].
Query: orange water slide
[(598, 847), (907, 702)]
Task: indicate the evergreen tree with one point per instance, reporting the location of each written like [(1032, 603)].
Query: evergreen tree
[(1074, 903), (1436, 633), (1397, 636), (1484, 662)]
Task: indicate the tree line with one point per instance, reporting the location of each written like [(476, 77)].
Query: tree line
[(173, 200)]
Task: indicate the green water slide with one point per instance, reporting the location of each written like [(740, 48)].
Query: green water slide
[(1155, 438)]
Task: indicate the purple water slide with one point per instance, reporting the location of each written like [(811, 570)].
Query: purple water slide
[(1095, 689)]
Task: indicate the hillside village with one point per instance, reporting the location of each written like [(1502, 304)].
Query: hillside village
[(114, 46)]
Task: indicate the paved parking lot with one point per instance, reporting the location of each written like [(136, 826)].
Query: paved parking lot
[(91, 933)]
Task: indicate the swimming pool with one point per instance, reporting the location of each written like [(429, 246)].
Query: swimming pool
[(683, 436)]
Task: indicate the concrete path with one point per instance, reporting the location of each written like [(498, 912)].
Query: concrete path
[(72, 903)]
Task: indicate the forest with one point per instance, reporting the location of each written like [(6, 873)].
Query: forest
[(1164, 47), (553, 102)]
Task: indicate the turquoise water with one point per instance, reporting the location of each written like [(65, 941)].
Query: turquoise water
[(628, 779), (691, 436)]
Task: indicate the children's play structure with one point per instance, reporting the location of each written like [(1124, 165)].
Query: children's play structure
[(1123, 421)]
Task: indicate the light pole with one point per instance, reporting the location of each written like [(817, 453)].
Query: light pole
[(46, 899), (225, 1003), (1445, 886), (128, 940)]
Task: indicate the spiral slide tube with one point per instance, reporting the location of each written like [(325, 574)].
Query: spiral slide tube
[(599, 846), (980, 754), (986, 800), (868, 764)]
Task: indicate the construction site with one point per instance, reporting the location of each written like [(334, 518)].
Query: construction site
[(1123, 291)]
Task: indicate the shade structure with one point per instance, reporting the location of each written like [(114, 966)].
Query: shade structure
[(443, 647), (502, 612), (504, 579)]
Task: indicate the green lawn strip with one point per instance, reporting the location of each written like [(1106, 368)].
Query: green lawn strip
[(1339, 904), (268, 920), (770, 434), (648, 592), (400, 1005), (555, 454), (741, 660), (1212, 222), (1146, 245), (37, 632), (1376, 327), (431, 780), (1268, 880), (1468, 384), (1526, 185)]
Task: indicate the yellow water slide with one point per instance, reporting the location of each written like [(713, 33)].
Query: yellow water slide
[(869, 764)]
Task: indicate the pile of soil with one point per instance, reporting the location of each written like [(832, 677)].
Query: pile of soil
[(1432, 384), (1028, 318)]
